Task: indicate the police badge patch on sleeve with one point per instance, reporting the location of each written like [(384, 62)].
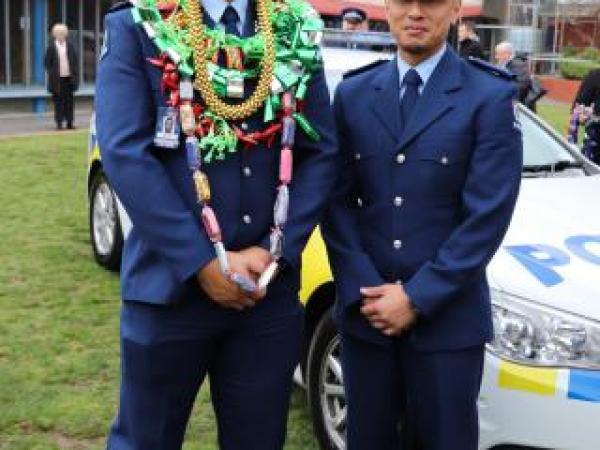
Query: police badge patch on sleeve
[(516, 121), (104, 49)]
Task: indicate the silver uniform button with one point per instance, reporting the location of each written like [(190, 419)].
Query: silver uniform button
[(247, 219), (247, 171), (400, 158), (398, 201), (357, 156), (244, 126), (444, 160), (397, 244), (398, 281)]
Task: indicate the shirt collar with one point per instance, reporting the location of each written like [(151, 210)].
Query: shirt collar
[(424, 68), (215, 9)]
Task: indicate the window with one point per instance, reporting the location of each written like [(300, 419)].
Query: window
[(56, 13), (3, 41), (88, 33), (522, 12), (17, 23)]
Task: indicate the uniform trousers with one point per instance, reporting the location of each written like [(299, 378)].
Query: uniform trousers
[(167, 352), (401, 398)]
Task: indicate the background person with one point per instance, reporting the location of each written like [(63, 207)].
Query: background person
[(354, 19), (468, 41), (587, 102), (505, 56), (62, 66)]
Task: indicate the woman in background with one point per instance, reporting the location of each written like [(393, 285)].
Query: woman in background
[(63, 77)]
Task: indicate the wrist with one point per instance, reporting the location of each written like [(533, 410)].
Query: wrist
[(413, 307), (207, 269)]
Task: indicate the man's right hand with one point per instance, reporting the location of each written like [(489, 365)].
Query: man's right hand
[(221, 290)]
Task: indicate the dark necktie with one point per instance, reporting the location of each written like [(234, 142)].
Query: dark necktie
[(230, 20), (412, 81)]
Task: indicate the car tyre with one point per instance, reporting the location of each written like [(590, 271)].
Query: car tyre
[(105, 227), (325, 385)]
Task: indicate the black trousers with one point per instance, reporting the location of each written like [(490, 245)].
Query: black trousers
[(63, 102)]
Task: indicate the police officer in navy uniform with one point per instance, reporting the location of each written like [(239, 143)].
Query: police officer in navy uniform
[(431, 160), (354, 20), (181, 320)]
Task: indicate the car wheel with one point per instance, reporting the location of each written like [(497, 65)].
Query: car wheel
[(105, 227), (326, 387)]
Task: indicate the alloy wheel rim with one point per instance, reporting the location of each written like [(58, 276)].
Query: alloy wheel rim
[(332, 397), (104, 219)]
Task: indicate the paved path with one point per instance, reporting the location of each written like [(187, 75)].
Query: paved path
[(26, 124)]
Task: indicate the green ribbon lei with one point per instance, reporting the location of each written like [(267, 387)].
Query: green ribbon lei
[(297, 30)]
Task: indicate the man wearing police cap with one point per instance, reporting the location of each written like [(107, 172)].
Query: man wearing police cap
[(431, 164), (354, 19), (222, 152)]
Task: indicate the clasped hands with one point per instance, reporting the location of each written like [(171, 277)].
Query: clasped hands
[(388, 308), (249, 263)]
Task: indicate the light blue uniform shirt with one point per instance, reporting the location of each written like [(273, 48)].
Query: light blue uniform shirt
[(215, 9), (424, 69)]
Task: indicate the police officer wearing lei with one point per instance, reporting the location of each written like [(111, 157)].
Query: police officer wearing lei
[(216, 133), (431, 170)]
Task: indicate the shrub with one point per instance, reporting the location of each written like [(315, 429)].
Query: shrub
[(569, 51), (591, 53), (577, 70)]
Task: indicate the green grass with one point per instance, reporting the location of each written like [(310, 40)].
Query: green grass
[(556, 114), (59, 311)]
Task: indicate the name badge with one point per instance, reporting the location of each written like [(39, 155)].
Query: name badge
[(168, 128)]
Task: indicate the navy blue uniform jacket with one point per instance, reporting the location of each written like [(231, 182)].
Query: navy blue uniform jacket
[(427, 207), (168, 245)]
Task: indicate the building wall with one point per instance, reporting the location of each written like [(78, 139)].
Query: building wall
[(25, 32), (583, 32)]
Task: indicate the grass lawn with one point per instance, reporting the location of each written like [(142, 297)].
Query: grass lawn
[(556, 114), (59, 310)]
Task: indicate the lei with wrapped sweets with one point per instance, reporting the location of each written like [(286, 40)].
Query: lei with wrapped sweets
[(282, 56)]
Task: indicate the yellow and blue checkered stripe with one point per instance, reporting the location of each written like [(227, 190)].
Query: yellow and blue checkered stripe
[(582, 385)]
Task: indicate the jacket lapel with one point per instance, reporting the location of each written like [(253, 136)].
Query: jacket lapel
[(434, 101), (386, 98), (248, 26)]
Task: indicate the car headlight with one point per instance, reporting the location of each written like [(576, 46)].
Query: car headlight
[(529, 333)]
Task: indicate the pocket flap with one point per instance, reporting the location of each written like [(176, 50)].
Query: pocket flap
[(447, 152)]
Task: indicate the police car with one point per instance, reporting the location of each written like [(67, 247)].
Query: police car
[(541, 385)]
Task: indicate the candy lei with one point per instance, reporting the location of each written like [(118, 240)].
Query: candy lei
[(284, 55)]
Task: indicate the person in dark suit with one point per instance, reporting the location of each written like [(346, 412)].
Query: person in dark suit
[(431, 158), (191, 308), (62, 66), (468, 41), (589, 91), (505, 56), (587, 101)]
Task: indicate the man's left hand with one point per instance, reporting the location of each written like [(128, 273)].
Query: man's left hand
[(388, 308), (255, 260)]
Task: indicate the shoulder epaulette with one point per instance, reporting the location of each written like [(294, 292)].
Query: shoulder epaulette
[(121, 5), (366, 68), (492, 69)]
